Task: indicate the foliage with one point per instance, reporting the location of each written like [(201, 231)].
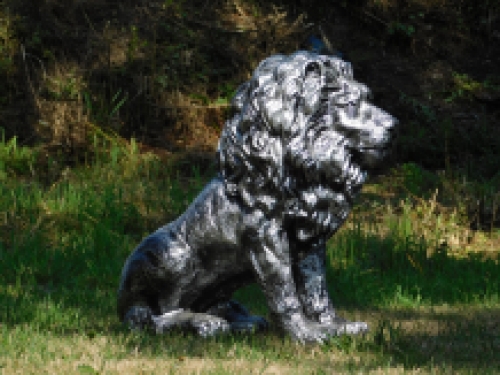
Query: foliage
[(102, 111), (62, 246), (15, 160), (8, 43), (120, 69), (468, 88)]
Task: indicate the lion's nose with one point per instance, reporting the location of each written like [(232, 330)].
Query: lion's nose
[(385, 120)]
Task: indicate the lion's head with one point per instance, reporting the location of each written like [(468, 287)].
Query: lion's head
[(301, 140)]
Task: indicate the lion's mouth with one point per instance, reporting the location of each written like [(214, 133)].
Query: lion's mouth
[(372, 158), (367, 148), (362, 150)]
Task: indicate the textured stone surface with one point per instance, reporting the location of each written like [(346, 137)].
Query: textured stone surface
[(294, 154)]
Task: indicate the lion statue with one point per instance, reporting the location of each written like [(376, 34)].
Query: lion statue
[(292, 157)]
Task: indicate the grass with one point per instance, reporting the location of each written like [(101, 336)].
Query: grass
[(63, 242), (417, 260)]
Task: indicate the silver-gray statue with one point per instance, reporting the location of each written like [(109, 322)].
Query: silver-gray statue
[(292, 158)]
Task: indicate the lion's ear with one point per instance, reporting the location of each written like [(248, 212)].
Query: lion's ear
[(312, 69)]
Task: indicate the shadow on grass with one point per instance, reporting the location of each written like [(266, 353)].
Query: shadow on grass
[(424, 311), (66, 283), (401, 270), (459, 338)]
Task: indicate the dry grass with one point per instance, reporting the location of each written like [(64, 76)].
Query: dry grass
[(167, 61), (441, 340)]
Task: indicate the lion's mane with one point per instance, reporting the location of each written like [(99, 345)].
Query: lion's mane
[(271, 153)]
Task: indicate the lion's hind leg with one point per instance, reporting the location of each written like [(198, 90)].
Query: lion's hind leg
[(141, 318), (223, 318), (238, 317), (204, 325)]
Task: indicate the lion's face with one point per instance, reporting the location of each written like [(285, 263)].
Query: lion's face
[(342, 111), (303, 124), (367, 129)]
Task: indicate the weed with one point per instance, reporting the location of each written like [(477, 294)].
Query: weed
[(103, 111), (64, 87), (466, 87), (399, 28), (15, 160), (8, 43), (135, 44)]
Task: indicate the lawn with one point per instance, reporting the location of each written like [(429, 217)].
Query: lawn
[(432, 304)]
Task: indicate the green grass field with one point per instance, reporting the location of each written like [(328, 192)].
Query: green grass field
[(428, 286)]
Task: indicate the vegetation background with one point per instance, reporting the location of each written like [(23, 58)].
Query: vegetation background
[(109, 117)]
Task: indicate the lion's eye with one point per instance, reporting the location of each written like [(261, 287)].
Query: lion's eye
[(352, 109), (340, 100)]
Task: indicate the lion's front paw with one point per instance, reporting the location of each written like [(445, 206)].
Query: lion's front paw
[(346, 328), (306, 331), (337, 325), (312, 333), (353, 328), (207, 325)]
